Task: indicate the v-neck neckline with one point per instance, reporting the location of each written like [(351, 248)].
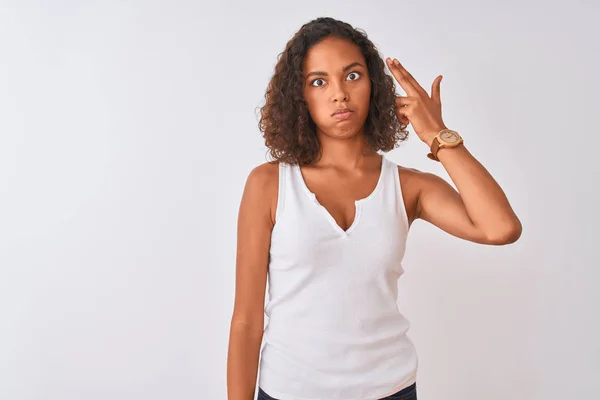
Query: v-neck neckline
[(357, 203)]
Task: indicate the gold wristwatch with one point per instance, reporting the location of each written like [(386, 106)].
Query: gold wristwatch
[(446, 138)]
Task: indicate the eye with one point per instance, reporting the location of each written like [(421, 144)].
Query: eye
[(313, 82), (358, 74), (355, 73)]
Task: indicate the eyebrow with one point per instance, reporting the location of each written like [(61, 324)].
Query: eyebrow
[(321, 73)]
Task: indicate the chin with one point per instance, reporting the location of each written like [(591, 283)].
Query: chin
[(347, 131)]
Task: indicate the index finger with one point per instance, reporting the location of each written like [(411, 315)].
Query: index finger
[(404, 78)]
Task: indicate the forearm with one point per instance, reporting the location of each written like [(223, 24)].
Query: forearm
[(242, 361), (484, 200)]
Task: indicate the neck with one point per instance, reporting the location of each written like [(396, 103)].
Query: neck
[(346, 153)]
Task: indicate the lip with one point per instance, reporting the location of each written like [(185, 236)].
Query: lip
[(341, 110), (342, 113)]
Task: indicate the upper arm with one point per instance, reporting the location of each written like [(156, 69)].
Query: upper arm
[(441, 205), (253, 241)]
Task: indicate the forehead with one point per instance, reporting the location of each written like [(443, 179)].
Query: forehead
[(332, 53)]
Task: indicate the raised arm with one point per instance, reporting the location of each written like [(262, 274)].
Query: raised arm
[(253, 241), (479, 211)]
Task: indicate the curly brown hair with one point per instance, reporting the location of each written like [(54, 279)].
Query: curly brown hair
[(285, 122)]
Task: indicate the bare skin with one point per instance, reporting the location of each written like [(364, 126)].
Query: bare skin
[(348, 171)]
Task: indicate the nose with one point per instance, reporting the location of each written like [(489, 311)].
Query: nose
[(340, 94)]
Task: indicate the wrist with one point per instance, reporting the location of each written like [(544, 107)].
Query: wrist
[(431, 135), (445, 138)]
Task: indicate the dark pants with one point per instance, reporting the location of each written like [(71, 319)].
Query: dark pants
[(409, 393)]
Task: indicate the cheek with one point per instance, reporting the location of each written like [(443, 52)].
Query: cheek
[(363, 93), (317, 106)]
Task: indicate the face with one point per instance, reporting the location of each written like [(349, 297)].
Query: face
[(336, 76)]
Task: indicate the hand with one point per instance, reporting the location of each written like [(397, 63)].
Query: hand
[(418, 108)]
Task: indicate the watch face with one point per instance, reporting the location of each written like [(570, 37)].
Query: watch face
[(449, 136)]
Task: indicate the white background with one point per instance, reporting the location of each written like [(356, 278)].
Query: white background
[(128, 128)]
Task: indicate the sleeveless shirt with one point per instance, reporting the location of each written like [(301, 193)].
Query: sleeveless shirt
[(334, 328)]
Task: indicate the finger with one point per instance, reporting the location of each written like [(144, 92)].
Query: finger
[(435, 90), (409, 77), (401, 78), (404, 100), (401, 113)]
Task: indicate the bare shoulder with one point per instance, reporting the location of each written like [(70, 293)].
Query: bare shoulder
[(415, 177), (263, 181), (419, 185), (407, 173), (412, 182)]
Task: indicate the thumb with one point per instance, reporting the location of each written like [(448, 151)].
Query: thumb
[(435, 90)]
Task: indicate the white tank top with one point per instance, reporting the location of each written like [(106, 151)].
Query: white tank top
[(334, 329)]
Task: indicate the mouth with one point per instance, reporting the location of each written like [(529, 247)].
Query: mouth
[(342, 113)]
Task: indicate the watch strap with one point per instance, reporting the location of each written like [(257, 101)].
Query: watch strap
[(435, 146)]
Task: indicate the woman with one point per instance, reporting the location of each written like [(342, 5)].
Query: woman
[(326, 222)]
